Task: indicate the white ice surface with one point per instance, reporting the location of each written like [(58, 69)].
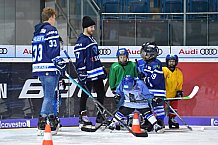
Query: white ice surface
[(73, 136)]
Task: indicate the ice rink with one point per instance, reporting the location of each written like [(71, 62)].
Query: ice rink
[(73, 135)]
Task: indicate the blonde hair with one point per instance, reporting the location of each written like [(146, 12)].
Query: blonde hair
[(47, 13)]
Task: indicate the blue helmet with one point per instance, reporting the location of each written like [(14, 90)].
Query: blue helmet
[(122, 51), (128, 82), (172, 57)]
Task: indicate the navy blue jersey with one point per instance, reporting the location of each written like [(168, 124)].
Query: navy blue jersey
[(45, 47), (87, 58), (154, 76)]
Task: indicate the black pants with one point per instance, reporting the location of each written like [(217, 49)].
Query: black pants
[(98, 86), (126, 111)]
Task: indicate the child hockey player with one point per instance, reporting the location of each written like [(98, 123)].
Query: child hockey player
[(174, 81), (150, 70), (136, 96), (120, 69)]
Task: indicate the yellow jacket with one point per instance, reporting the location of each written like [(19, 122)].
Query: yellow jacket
[(173, 81)]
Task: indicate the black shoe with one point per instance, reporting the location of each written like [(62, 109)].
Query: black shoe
[(83, 119), (172, 123)]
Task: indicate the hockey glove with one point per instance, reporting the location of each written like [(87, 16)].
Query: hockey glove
[(157, 100), (82, 76), (60, 64), (117, 98), (141, 76), (179, 94)]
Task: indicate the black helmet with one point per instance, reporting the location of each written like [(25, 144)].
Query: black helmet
[(149, 48)]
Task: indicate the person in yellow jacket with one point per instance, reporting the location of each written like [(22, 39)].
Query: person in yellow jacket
[(174, 82)]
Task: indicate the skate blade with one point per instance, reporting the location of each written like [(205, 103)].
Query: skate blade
[(54, 132), (161, 131), (40, 132), (59, 127), (88, 128)]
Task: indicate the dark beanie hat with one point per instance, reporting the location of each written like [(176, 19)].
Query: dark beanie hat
[(87, 21)]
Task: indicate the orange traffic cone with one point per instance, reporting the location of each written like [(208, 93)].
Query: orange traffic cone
[(47, 139), (135, 123)]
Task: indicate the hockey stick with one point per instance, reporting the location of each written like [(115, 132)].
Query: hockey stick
[(69, 59), (97, 106), (143, 134), (190, 96), (178, 116)]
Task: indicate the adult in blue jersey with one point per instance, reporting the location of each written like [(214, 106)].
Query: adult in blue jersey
[(150, 70), (135, 96), (46, 47), (89, 68)]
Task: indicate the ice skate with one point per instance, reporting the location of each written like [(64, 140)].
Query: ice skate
[(158, 128), (147, 126), (161, 123), (84, 120), (53, 123), (59, 123), (99, 119), (172, 123), (114, 125), (41, 125)]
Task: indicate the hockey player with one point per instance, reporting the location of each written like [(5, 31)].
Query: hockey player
[(45, 48), (150, 70), (120, 69), (89, 68), (136, 96), (174, 81)]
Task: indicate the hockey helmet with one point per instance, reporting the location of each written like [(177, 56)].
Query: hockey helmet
[(149, 49), (128, 82), (172, 57), (122, 51)]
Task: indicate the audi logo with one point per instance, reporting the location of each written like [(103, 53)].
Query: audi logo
[(3, 50), (208, 51), (105, 51), (160, 51)]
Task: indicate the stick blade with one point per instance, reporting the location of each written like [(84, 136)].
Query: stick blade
[(143, 134), (193, 93)]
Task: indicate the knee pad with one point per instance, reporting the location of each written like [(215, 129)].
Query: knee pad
[(150, 117)]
